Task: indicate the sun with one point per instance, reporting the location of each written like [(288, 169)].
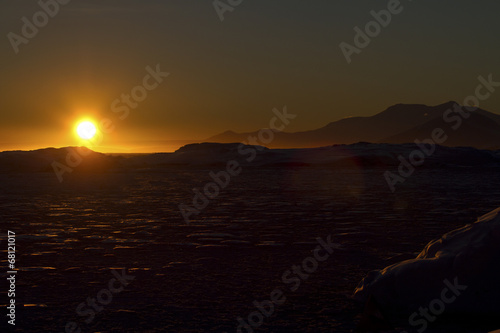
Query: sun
[(86, 130)]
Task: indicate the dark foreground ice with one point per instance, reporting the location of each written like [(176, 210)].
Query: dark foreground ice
[(201, 277)]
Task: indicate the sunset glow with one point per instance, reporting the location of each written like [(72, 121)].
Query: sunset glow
[(242, 166)]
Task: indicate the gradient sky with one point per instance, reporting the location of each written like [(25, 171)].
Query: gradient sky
[(231, 74)]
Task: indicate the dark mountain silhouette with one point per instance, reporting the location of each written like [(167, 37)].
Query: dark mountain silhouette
[(400, 123), (478, 131), (40, 160)]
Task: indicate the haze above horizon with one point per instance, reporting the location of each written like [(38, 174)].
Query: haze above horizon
[(195, 76)]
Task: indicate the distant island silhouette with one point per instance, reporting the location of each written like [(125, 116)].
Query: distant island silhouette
[(400, 123)]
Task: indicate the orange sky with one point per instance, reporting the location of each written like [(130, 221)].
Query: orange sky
[(229, 75)]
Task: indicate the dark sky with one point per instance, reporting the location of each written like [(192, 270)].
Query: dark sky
[(230, 74)]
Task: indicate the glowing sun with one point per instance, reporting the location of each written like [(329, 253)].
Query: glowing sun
[(86, 130)]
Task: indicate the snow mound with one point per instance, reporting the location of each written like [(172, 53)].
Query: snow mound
[(468, 257)]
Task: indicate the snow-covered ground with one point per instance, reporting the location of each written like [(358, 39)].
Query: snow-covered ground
[(456, 275), (234, 251)]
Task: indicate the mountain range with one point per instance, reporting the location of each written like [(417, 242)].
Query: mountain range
[(400, 123)]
